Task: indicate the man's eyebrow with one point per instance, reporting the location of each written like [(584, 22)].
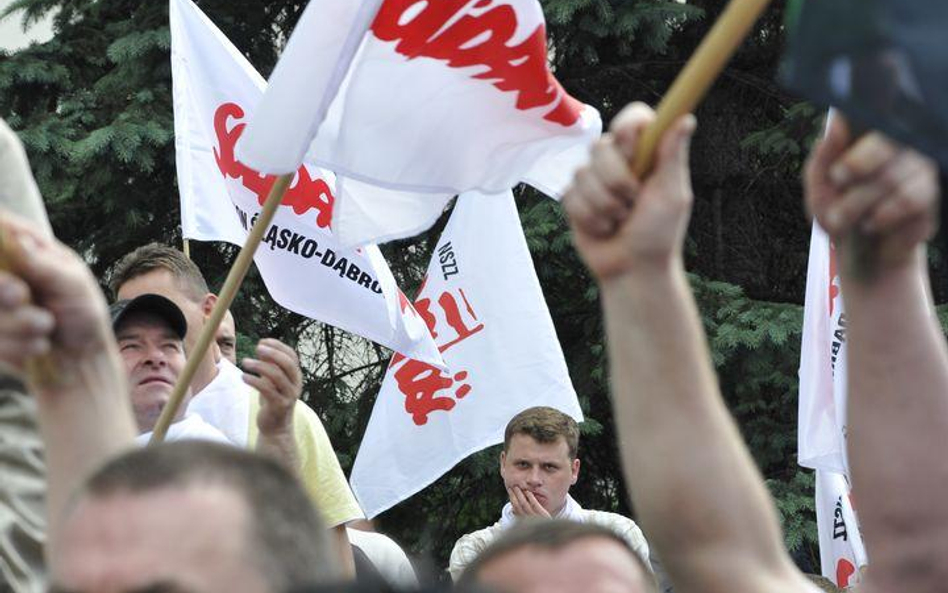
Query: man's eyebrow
[(161, 587), (170, 335), (156, 587)]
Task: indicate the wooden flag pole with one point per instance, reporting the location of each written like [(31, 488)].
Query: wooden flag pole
[(716, 49), (186, 244), (224, 300)]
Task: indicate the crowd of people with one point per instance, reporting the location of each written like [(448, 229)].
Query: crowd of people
[(247, 494)]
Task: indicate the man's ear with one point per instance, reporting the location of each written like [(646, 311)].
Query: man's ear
[(575, 470), (503, 457), (207, 305)]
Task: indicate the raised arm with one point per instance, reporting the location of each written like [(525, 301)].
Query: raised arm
[(898, 361), (81, 390), (694, 485), (276, 374)]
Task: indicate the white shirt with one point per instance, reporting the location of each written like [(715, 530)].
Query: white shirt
[(386, 556), (225, 403), (191, 427), (469, 546)]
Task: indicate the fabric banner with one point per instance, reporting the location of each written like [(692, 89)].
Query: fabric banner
[(822, 406), (822, 414), (842, 553), (437, 98), (304, 267), (483, 304)]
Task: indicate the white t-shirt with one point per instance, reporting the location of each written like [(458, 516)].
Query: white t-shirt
[(469, 546), (386, 556), (225, 403), (191, 427)]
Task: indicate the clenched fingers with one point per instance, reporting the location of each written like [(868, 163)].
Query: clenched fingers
[(611, 168), (580, 205), (863, 160), (854, 204), (915, 196), (25, 330)]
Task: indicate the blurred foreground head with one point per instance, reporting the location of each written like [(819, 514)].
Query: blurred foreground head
[(191, 517), (556, 556)]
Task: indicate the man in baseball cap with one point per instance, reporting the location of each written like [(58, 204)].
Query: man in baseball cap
[(150, 331)]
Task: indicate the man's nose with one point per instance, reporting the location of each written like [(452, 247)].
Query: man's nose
[(534, 478), (155, 356)]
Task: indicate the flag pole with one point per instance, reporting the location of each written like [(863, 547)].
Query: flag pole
[(186, 244), (224, 300), (693, 82)]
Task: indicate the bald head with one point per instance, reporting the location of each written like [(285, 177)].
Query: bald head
[(558, 557)]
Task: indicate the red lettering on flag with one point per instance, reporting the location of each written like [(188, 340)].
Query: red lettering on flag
[(833, 278), (426, 388), (844, 572), (305, 195), (448, 30)]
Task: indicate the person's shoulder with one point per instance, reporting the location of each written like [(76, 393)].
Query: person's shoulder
[(194, 426), (468, 547), (622, 526), (610, 519), (379, 543), (308, 429), (477, 540)]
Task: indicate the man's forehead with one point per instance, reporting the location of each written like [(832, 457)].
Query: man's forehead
[(598, 562), (129, 541), (525, 444)]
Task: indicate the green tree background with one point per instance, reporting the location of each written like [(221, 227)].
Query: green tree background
[(93, 106)]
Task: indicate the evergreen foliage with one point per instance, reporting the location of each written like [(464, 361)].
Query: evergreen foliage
[(93, 106)]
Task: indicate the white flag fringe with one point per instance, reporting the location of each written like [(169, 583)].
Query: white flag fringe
[(484, 306), (303, 266), (438, 98)]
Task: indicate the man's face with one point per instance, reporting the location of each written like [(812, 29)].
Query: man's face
[(226, 338), (191, 539), (544, 469), (154, 357), (162, 282), (591, 565)]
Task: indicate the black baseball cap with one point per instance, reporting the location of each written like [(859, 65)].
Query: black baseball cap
[(154, 304)]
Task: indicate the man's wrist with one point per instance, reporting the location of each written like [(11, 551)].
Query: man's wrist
[(276, 425), (876, 271), (643, 274)]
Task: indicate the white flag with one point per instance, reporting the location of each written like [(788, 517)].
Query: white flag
[(822, 407), (483, 304), (438, 98), (822, 414), (303, 265), (842, 553)]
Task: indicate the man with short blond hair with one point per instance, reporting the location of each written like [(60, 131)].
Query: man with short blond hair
[(544, 425), (539, 463)]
